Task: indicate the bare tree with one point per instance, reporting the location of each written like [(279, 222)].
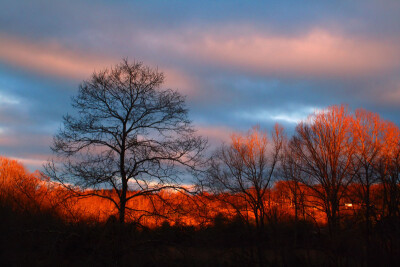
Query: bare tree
[(369, 130), (290, 173), (240, 176), (325, 148), (389, 171), (127, 134), (245, 169)]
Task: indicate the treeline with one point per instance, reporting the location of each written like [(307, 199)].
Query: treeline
[(337, 162), (329, 194), (33, 193)]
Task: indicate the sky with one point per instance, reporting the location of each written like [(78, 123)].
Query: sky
[(239, 63)]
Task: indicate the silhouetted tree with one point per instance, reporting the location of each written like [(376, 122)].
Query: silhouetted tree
[(126, 134)]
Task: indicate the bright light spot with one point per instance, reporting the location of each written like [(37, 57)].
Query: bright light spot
[(289, 117), (286, 118)]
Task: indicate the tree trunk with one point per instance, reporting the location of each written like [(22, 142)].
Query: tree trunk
[(122, 206)]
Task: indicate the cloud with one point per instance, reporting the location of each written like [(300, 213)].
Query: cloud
[(288, 115), (30, 149), (6, 99), (54, 59), (316, 53), (390, 96), (31, 164), (236, 71), (49, 58), (215, 134), (18, 141), (187, 84)]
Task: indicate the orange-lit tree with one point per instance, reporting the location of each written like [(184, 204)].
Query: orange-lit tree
[(241, 173), (10, 173), (369, 130), (325, 149), (27, 192), (290, 173), (127, 134), (389, 172)]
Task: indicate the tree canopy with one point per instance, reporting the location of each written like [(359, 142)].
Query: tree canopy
[(127, 134)]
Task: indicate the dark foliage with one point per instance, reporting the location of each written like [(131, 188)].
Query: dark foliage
[(43, 239)]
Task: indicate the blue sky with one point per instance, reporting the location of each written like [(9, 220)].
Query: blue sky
[(240, 63)]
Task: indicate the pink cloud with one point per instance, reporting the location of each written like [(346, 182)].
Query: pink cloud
[(56, 60), (32, 163), (390, 96), (215, 134), (179, 80), (11, 139), (49, 58), (317, 53)]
